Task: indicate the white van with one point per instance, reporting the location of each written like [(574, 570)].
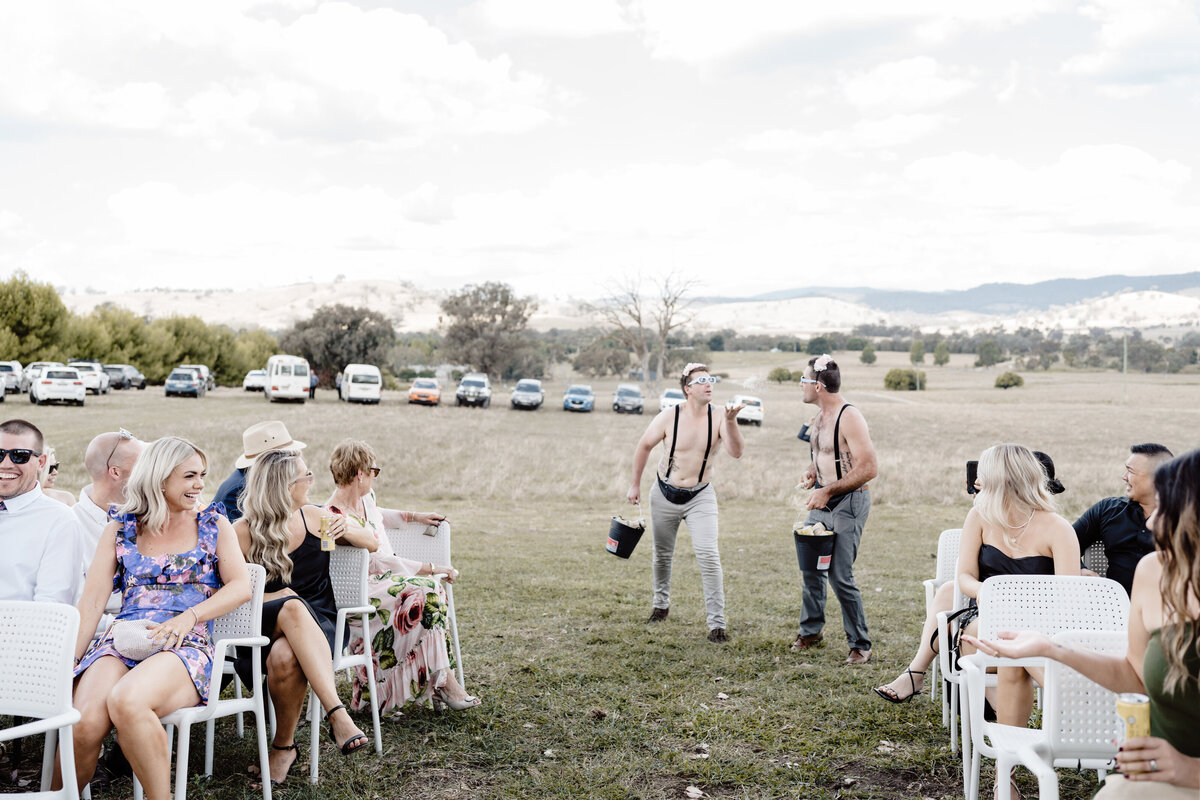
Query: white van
[(361, 383), (287, 378)]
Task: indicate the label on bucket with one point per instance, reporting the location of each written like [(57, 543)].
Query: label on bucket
[(823, 562), (612, 545)]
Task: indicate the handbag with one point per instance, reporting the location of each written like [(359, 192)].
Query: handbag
[(130, 641)]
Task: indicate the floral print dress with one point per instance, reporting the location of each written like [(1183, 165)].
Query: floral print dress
[(408, 630), (160, 587)]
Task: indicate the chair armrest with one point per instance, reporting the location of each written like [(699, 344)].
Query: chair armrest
[(943, 631), (246, 641), (41, 725)]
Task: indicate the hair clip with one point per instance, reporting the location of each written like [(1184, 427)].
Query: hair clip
[(691, 366), (821, 363)]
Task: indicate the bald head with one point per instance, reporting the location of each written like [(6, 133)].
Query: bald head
[(109, 459)]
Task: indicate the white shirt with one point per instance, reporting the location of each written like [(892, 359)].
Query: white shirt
[(39, 549), (92, 520)]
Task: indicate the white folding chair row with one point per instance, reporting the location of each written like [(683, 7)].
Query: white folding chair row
[(1047, 604), (410, 541), (947, 561), (1079, 721), (241, 627), (348, 569), (37, 645)]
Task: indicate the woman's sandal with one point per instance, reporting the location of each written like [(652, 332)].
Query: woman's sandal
[(883, 691), (347, 747), (440, 700), (291, 746)]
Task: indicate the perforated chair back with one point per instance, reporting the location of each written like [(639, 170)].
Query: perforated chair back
[(37, 644), (246, 619), (1051, 604), (1095, 559), (410, 541), (1080, 716), (947, 555), (348, 576)]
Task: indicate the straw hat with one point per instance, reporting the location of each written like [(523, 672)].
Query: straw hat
[(263, 437)]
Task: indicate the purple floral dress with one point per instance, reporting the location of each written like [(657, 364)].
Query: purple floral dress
[(160, 587)]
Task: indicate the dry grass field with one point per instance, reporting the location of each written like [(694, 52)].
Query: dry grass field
[(581, 698)]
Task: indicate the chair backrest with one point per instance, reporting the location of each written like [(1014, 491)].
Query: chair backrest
[(410, 541), (947, 555), (1051, 604), (246, 619), (348, 573), (1095, 559), (37, 643), (1080, 716)]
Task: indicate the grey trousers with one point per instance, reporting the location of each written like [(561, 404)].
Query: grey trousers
[(847, 520), (700, 513)]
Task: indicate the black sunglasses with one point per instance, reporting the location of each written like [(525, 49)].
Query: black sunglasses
[(53, 468), (374, 472), (19, 455)]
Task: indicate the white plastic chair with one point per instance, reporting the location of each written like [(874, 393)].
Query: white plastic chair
[(1095, 559), (947, 561), (241, 627), (37, 644), (409, 541), (348, 568), (951, 674), (1048, 604)]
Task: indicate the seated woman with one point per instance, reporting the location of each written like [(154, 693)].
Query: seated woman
[(49, 475), (299, 612), (1163, 658), (411, 659), (176, 567)]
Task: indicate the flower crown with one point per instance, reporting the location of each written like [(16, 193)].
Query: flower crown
[(821, 363), (691, 366)]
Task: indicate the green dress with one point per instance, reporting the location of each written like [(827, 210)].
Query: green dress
[(1174, 717)]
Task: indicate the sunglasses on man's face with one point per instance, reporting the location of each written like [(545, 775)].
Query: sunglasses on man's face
[(19, 455), (53, 468), (703, 380)]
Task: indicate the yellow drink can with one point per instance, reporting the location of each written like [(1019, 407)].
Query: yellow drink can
[(1134, 711), (327, 542)]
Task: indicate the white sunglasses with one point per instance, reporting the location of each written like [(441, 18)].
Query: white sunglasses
[(704, 380)]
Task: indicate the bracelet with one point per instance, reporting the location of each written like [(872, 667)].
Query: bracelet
[(195, 616)]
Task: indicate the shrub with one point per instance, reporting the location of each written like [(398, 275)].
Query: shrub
[(916, 353), (904, 380), (1008, 379), (868, 354), (941, 354), (779, 374)]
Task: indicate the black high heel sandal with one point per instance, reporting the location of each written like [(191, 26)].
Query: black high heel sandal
[(895, 698), (291, 746), (347, 747)]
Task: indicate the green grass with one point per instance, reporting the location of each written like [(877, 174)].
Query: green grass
[(581, 698)]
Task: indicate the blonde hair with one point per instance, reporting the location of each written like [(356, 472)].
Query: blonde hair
[(1013, 484), (144, 494), (1177, 539), (348, 459), (267, 509)]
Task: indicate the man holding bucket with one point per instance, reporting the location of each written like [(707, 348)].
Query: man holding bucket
[(843, 461), (692, 435)]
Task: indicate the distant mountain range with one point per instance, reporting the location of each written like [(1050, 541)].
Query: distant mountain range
[(989, 298)]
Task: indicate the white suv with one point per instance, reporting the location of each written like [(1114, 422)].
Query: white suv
[(474, 390), (95, 379)]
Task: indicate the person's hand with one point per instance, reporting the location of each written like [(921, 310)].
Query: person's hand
[(819, 498), (1152, 759), (171, 632), (427, 518), (1089, 574), (450, 572), (634, 495), (808, 479), (285, 592), (731, 412), (1009, 644), (337, 526)]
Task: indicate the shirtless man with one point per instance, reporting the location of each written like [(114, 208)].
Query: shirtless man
[(691, 435), (843, 461)]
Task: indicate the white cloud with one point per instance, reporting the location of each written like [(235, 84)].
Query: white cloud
[(1139, 44), (867, 134), (548, 18), (908, 85)]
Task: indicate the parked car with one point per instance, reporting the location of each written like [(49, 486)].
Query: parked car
[(579, 397), (475, 389), (670, 398), (752, 414), (361, 383), (95, 379), (33, 370), (185, 382), (287, 378), (255, 380), (426, 391), (528, 394), (627, 399), (124, 376), (12, 374), (210, 383), (58, 383)]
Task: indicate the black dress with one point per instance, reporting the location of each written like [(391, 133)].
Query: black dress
[(310, 582)]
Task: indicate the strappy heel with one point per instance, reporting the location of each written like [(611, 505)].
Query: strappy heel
[(291, 746), (352, 745), (895, 698)]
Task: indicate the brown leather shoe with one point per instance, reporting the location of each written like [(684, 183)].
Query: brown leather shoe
[(658, 615), (718, 635), (858, 656), (807, 642)]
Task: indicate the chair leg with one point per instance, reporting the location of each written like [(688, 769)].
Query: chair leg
[(67, 761), (48, 759), (210, 731), (954, 713), (237, 692), (260, 729), (454, 636), (314, 736), (181, 761)]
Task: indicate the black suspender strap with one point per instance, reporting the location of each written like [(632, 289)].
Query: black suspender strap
[(674, 438), (707, 446), (837, 450)]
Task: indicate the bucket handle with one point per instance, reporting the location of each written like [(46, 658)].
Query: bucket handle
[(641, 517)]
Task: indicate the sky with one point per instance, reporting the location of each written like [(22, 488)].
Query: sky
[(564, 145)]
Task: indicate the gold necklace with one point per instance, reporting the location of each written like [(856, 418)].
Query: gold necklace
[(1012, 539)]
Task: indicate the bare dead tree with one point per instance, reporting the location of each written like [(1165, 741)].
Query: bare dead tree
[(672, 311), (623, 310)]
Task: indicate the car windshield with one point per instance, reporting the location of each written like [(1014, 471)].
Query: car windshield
[(528, 386), (628, 392), (674, 394), (182, 376), (361, 377), (751, 401), (425, 384), (300, 370), (473, 384), (5, 368), (579, 390), (62, 374)]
